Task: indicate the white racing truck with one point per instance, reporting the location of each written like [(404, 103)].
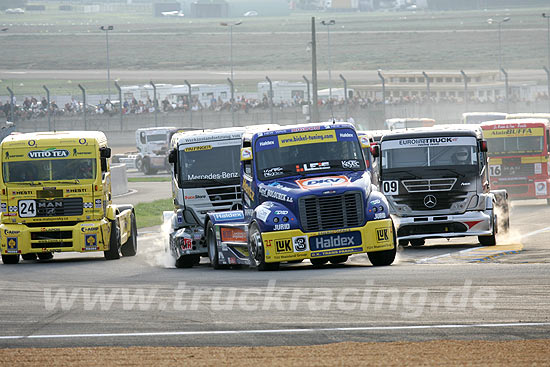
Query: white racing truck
[(152, 155), (437, 185), (205, 178)]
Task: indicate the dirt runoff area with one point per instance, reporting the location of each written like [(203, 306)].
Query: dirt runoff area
[(433, 353)]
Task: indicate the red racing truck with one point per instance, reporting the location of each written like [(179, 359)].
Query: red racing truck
[(518, 157)]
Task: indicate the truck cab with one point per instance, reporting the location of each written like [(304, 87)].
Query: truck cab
[(306, 194), (55, 194), (205, 178), (152, 145), (437, 185)]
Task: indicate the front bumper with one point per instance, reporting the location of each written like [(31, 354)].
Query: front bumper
[(538, 189), (472, 223), (297, 245), (81, 237)]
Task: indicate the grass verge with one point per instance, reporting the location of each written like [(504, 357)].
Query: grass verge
[(150, 214), (149, 179)]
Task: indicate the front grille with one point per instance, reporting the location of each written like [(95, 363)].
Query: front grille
[(444, 200), (52, 244), (51, 224), (51, 235), (434, 184), (432, 228), (59, 207), (321, 213), (224, 196)]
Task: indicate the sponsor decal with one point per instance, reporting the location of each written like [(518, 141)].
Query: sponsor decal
[(76, 153), (335, 241), (98, 203), (313, 167), (267, 143), (223, 217), (89, 229), (8, 232), (513, 132), (380, 216), (281, 212), (8, 155), (3, 207), (351, 164), (187, 244), (337, 252), (277, 185), (275, 195), (32, 143), (318, 182), (308, 128), (12, 208), (199, 148), (90, 242), (262, 213), (375, 202), (229, 234), (300, 243), (48, 153), (281, 226), (346, 135), (283, 245), (247, 189), (382, 235), (365, 142), (82, 141), (272, 172), (428, 141), (13, 247), (21, 192), (310, 137), (213, 176), (194, 197), (87, 205), (246, 153), (74, 190)]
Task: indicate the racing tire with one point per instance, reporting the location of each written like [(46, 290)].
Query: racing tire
[(318, 262), (10, 259), (417, 242), (147, 169), (31, 256), (338, 259), (113, 252), (213, 253), (256, 250), (492, 239), (186, 261), (386, 257), (45, 256), (130, 247), (403, 243), (139, 164)]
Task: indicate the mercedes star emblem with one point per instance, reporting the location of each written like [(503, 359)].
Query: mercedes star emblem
[(430, 201)]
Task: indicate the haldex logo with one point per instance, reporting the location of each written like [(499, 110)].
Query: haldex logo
[(334, 241), (48, 153)]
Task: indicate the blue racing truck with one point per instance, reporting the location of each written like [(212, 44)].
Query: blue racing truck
[(306, 194)]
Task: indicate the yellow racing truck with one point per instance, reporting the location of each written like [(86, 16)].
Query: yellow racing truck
[(55, 196)]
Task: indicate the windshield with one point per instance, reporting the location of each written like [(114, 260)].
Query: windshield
[(157, 138), (429, 152), (308, 152), (213, 161), (49, 170), (516, 145)]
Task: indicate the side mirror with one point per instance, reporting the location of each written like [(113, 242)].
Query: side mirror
[(173, 156), (365, 142), (483, 146), (105, 152), (246, 154), (375, 150)]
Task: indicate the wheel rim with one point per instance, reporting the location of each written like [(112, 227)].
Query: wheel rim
[(256, 244)]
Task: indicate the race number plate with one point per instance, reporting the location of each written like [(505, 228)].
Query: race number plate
[(390, 187), (27, 208)]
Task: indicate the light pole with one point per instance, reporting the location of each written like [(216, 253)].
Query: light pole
[(499, 23), (328, 24), (106, 29), (231, 25)]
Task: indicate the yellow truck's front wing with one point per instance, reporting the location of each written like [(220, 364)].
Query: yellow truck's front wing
[(81, 237), (296, 245)]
